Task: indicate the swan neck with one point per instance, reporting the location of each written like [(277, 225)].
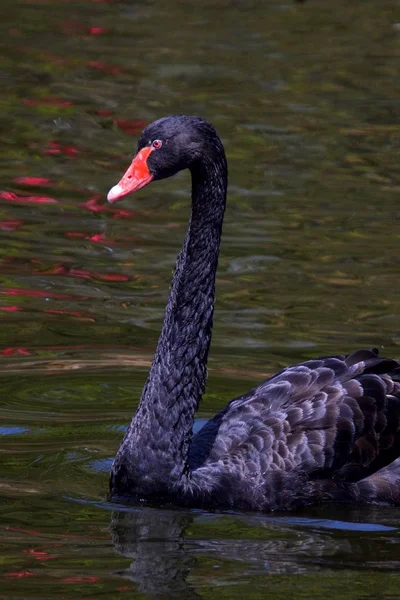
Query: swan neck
[(158, 440)]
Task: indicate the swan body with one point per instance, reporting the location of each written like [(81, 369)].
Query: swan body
[(324, 430)]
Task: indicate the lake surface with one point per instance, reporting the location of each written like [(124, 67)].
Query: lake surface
[(306, 99)]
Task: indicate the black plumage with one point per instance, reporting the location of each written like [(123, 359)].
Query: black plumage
[(325, 430)]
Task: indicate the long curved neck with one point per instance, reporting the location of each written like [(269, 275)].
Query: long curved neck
[(156, 446)]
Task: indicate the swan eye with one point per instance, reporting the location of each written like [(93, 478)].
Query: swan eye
[(157, 144)]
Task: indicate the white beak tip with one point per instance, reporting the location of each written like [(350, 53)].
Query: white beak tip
[(115, 193)]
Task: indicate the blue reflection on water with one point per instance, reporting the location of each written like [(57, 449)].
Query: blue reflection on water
[(12, 430), (330, 524)]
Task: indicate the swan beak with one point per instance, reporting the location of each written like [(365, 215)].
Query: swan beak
[(136, 177)]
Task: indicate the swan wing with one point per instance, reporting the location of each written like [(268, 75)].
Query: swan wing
[(336, 416)]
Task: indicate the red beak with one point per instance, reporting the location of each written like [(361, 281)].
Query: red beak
[(136, 177)]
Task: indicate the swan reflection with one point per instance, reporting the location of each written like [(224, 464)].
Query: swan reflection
[(175, 552)]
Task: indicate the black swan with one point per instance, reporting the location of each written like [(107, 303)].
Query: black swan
[(324, 430)]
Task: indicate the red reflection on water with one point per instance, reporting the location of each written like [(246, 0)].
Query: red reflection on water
[(39, 554), (54, 147), (69, 313), (76, 27), (98, 204), (131, 127), (77, 579), (112, 277), (47, 101), (104, 113), (12, 197), (41, 181), (97, 237), (95, 204), (37, 293), (18, 530), (18, 574), (106, 68), (75, 234), (100, 237), (97, 30), (15, 351), (123, 213), (82, 273), (10, 224)]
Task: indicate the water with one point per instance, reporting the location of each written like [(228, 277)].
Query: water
[(306, 99)]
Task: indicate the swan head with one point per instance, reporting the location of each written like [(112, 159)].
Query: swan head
[(165, 147)]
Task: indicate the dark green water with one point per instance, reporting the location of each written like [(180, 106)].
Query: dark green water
[(306, 98)]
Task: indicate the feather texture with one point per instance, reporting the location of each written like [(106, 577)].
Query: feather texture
[(329, 419)]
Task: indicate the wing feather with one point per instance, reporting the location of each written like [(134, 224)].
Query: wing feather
[(335, 417)]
